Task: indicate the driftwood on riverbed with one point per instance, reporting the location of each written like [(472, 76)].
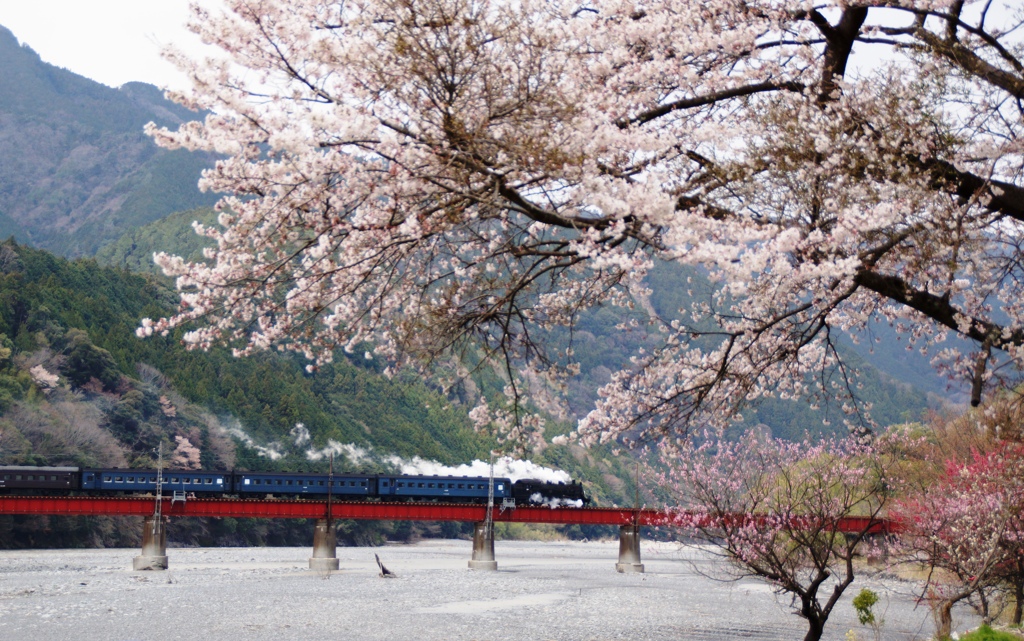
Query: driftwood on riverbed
[(384, 572)]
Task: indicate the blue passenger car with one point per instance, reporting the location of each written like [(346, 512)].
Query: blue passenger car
[(441, 488), (128, 480), (344, 486)]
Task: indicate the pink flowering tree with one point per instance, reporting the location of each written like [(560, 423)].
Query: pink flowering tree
[(427, 176), (793, 514), (968, 530)]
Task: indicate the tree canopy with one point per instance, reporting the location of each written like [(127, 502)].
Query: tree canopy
[(426, 175)]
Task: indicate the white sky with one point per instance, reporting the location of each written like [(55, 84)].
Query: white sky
[(110, 41)]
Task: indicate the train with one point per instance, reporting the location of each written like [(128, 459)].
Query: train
[(344, 487)]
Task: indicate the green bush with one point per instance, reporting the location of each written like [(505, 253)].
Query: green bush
[(863, 604)]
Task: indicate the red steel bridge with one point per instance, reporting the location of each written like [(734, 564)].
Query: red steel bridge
[(317, 509), (154, 534)]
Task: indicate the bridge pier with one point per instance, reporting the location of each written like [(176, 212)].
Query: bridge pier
[(483, 547), (154, 545), (325, 547), (629, 550)]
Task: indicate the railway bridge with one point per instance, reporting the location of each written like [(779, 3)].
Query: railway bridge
[(156, 512)]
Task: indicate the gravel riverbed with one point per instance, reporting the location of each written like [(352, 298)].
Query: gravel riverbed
[(565, 591)]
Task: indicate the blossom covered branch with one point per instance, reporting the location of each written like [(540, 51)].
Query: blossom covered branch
[(429, 175)]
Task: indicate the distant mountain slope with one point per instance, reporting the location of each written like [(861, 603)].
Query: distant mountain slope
[(49, 307), (76, 171), (173, 234)]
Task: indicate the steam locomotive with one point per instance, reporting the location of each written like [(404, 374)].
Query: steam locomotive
[(207, 483)]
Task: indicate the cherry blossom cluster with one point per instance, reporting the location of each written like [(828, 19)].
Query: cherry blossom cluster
[(435, 176), (781, 511), (967, 528)]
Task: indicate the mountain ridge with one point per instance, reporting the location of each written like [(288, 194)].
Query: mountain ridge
[(78, 169)]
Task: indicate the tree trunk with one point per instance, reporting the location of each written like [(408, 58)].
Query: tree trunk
[(815, 628), (983, 608), (943, 620), (1018, 599)]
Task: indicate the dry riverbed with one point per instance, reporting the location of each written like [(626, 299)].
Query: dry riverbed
[(563, 591)]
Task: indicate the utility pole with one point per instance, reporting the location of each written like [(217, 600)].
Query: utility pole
[(330, 488), (489, 518), (158, 509)]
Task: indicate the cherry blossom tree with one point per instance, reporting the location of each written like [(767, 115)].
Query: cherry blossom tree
[(782, 511), (431, 176), (968, 530)]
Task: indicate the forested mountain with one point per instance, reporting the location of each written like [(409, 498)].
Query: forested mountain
[(76, 169), (174, 234)]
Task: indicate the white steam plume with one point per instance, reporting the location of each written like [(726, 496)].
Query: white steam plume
[(299, 434), (272, 451), (538, 499), (503, 467), (356, 456), (352, 453)]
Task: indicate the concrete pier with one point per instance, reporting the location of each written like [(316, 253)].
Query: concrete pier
[(325, 547), (154, 545), (483, 547), (629, 549)]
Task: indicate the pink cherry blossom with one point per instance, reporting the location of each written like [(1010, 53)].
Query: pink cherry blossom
[(776, 510), (435, 176)]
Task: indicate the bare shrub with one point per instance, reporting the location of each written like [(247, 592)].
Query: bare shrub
[(67, 433), (152, 376), (219, 442)]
